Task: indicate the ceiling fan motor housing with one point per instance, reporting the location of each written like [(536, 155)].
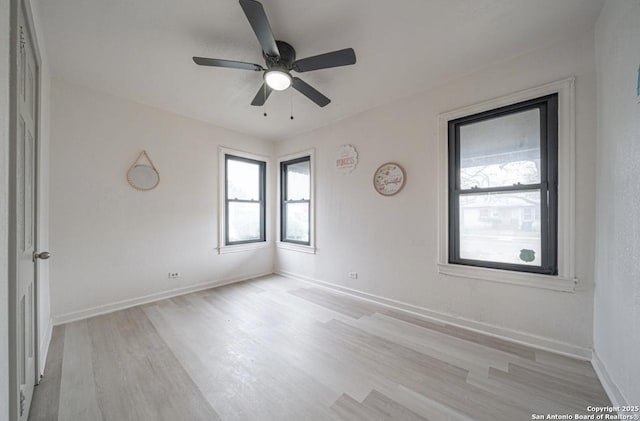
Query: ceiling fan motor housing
[(286, 59)]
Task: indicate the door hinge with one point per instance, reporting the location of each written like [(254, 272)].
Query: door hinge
[(22, 41), (22, 399)]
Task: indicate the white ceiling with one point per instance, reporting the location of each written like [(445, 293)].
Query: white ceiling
[(141, 50)]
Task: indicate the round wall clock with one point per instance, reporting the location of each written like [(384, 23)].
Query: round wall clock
[(389, 179)]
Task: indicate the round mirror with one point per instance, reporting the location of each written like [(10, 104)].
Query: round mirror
[(143, 177)]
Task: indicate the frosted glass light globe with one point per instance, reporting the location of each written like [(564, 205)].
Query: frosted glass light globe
[(277, 80)]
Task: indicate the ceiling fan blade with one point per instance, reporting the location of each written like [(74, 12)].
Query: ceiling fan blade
[(262, 95), (324, 61), (260, 24), (310, 92), (202, 61)]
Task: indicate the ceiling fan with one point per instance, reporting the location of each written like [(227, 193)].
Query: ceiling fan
[(280, 59)]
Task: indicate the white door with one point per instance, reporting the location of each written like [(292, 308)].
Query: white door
[(25, 177)]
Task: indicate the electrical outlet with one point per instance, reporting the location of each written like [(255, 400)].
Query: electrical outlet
[(174, 275), (353, 275)]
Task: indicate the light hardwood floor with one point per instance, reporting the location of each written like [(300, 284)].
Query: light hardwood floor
[(278, 349)]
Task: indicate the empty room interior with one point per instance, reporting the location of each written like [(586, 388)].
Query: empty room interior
[(319, 210)]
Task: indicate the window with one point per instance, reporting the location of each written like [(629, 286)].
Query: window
[(295, 210), (244, 200), (503, 196)]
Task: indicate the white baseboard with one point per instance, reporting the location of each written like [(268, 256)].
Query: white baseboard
[(44, 347), (516, 336), (613, 391), (156, 296), (520, 337)]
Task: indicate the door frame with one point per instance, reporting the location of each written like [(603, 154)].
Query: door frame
[(14, 9)]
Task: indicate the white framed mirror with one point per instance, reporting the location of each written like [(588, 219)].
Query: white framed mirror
[(141, 176)]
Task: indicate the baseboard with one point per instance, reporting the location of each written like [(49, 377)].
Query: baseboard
[(524, 338), (44, 347), (615, 395), (520, 337), (157, 296)]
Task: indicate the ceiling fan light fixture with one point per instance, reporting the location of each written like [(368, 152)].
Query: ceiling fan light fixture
[(277, 80)]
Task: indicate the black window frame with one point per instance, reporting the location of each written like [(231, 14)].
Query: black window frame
[(548, 185), (262, 199), (284, 202)]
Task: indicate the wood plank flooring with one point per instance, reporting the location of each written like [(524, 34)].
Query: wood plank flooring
[(278, 349)]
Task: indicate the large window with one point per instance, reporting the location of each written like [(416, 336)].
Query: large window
[(244, 200), (295, 211), (503, 195)]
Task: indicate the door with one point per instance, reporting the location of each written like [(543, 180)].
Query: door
[(25, 213)]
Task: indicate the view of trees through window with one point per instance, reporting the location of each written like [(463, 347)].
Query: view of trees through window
[(500, 152), (245, 200), (296, 200), (499, 181)]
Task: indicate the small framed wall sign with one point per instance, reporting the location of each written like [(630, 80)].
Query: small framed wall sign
[(346, 159), (389, 179)]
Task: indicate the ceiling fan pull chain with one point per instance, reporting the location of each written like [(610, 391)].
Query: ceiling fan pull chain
[(264, 104), (291, 98)]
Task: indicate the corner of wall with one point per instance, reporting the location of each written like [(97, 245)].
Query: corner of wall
[(616, 327), (613, 392)]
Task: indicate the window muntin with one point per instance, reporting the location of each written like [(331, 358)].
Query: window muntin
[(295, 208), (503, 187), (244, 200)]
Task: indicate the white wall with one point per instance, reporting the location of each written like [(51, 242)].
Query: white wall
[(111, 243), (4, 217), (617, 274), (392, 241)]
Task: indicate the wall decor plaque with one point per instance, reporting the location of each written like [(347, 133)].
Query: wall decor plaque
[(389, 179), (346, 159)]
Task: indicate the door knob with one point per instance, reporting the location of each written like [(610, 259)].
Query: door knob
[(44, 255)]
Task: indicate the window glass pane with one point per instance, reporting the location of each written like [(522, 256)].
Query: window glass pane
[(501, 227), (501, 151), (244, 221), (298, 181), (297, 222), (243, 180)]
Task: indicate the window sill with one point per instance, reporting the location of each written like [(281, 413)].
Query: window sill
[(533, 280), (243, 247), (296, 247)]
